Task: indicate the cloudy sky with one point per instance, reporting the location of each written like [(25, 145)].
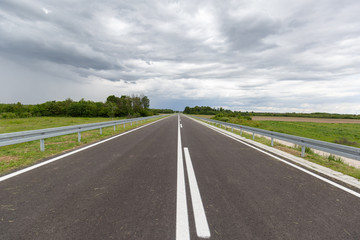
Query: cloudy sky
[(259, 55)]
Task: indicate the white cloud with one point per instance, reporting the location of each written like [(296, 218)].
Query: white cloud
[(46, 11)]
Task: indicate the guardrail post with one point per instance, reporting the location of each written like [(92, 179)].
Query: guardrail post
[(131, 123), (79, 136), (42, 145), (303, 151), (241, 130), (232, 129), (124, 125), (272, 141), (114, 127), (100, 131)]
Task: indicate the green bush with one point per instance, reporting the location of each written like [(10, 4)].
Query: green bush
[(224, 119), (335, 159), (7, 115)]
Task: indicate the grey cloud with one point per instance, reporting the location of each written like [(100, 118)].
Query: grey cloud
[(246, 35), (57, 54), (170, 41), (23, 10)]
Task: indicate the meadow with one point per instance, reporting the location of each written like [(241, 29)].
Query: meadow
[(341, 133), (33, 123)]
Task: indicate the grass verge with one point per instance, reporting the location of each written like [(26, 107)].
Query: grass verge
[(20, 155), (33, 123), (332, 162)]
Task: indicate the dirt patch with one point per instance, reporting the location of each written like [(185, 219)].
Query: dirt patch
[(8, 158), (204, 116), (301, 119), (288, 150)]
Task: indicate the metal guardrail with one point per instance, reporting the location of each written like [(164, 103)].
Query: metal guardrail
[(42, 134), (333, 148)]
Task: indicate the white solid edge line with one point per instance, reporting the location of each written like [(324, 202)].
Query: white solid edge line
[(291, 164), (182, 221), (201, 224), (3, 178)]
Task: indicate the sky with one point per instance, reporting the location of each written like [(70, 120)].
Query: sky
[(259, 55)]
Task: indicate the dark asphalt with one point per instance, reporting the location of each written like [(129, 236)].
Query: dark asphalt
[(126, 189)]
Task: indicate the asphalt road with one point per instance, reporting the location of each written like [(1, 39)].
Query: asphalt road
[(141, 186)]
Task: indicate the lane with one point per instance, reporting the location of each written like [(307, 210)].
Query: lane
[(249, 195), (121, 189)]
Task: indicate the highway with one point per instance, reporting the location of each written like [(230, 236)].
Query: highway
[(174, 179)]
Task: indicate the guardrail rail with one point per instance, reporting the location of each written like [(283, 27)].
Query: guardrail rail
[(333, 148), (42, 134)]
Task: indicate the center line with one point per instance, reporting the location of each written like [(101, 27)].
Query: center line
[(182, 222), (201, 224)]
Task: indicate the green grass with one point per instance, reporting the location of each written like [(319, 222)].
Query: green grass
[(332, 162), (16, 156), (25, 124), (341, 133)]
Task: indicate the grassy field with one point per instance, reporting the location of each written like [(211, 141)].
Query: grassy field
[(342, 133), (24, 124), (24, 154), (303, 119)]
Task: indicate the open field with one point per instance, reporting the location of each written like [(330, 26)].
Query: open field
[(341, 133), (203, 116), (302, 119), (33, 123), (24, 154)]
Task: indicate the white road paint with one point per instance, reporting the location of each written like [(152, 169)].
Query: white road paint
[(286, 162), (182, 220), (3, 178), (202, 227)]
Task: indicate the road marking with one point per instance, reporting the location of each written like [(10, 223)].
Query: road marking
[(3, 178), (182, 221), (291, 164), (202, 227)]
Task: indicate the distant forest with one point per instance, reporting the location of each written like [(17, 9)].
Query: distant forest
[(124, 106), (206, 110)]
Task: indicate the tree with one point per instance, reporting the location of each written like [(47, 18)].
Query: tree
[(145, 102)]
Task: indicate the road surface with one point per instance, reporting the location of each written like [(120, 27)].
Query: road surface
[(174, 179)]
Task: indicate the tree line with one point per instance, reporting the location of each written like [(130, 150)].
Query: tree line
[(124, 106), (220, 112), (206, 110)]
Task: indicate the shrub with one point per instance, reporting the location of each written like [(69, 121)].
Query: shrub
[(335, 159), (7, 115)]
